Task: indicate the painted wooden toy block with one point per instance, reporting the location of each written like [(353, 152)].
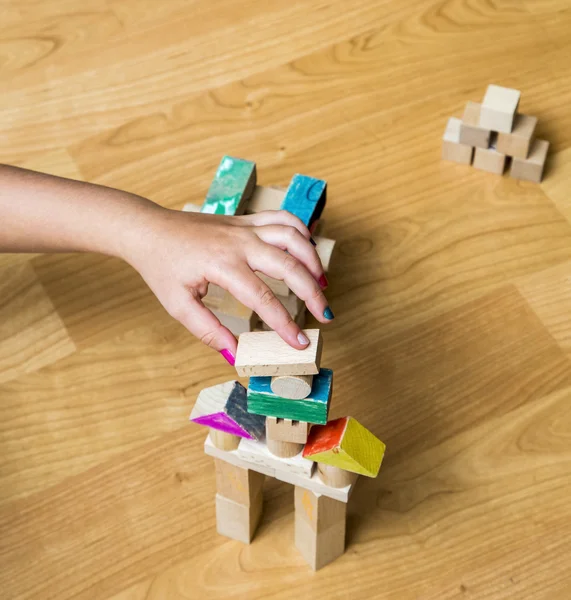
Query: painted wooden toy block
[(499, 108), (312, 409), (452, 149), (286, 430), (224, 407), (265, 198), (238, 521), (236, 483), (320, 525), (258, 453), (265, 353), (518, 142), (489, 159), (313, 482), (346, 444), (305, 198), (471, 133), (232, 185), (531, 168)]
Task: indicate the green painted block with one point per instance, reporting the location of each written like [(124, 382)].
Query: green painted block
[(233, 184), (313, 409)]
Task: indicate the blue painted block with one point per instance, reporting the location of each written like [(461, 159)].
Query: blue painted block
[(305, 198)]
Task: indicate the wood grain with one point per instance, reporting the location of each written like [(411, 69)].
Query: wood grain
[(450, 287)]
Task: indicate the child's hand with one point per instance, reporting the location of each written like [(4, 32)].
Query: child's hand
[(179, 253)]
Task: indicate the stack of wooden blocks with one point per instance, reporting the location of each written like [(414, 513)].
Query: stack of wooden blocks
[(492, 133), (279, 428), (234, 192)]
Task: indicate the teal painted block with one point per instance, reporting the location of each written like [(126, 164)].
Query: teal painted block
[(305, 198), (313, 409), (232, 185)]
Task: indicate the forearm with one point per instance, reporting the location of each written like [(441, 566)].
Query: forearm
[(43, 213)]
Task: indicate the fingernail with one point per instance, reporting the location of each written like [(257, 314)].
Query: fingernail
[(322, 281), (313, 241), (230, 358), (328, 313), (302, 338)]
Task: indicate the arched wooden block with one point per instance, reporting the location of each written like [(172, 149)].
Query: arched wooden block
[(232, 185), (305, 198), (224, 407), (346, 444)]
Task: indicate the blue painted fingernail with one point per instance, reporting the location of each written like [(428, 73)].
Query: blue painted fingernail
[(313, 241), (328, 314)]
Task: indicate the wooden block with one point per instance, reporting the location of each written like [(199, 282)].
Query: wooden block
[(258, 453), (336, 477), (317, 228), (224, 407), (232, 185), (293, 387), (346, 444), (214, 295), (189, 207), (452, 149), (232, 314), (283, 449), (265, 198), (489, 159), (498, 108), (320, 524), (236, 483), (471, 134), (311, 482), (312, 409), (265, 353), (325, 248), (278, 287), (238, 521), (531, 168), (224, 441), (286, 430), (518, 142), (305, 198)]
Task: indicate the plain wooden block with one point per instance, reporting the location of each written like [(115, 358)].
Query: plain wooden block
[(265, 353), (336, 477), (325, 248), (224, 407), (231, 313), (238, 521), (224, 441), (489, 159), (471, 134), (305, 198), (312, 409), (258, 453), (283, 449), (292, 387), (518, 142), (286, 430), (190, 207), (278, 287), (320, 526), (499, 108), (531, 168), (452, 149), (236, 483), (344, 443), (233, 184), (265, 198), (232, 457)]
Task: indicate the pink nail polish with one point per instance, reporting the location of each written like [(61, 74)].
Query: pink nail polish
[(323, 283), (230, 358)]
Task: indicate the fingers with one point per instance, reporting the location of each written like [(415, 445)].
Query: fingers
[(254, 293), (291, 240), (206, 327), (286, 267), (278, 217)]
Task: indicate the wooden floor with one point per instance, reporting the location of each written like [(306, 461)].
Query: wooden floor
[(452, 290)]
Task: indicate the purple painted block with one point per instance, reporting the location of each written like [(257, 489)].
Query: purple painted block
[(222, 422)]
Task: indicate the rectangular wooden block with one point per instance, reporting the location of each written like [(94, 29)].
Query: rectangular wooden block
[(278, 287), (471, 134), (312, 482), (312, 409), (305, 198), (236, 483), (286, 430), (531, 168), (238, 521), (324, 248), (231, 313), (499, 108), (232, 185), (265, 353), (258, 453), (518, 142), (452, 149), (265, 198), (320, 526), (488, 159)]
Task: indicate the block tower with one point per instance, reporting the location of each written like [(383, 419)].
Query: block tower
[(278, 427), (234, 191), (491, 134)]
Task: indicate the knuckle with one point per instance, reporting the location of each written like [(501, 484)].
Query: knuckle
[(290, 264), (266, 298)]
